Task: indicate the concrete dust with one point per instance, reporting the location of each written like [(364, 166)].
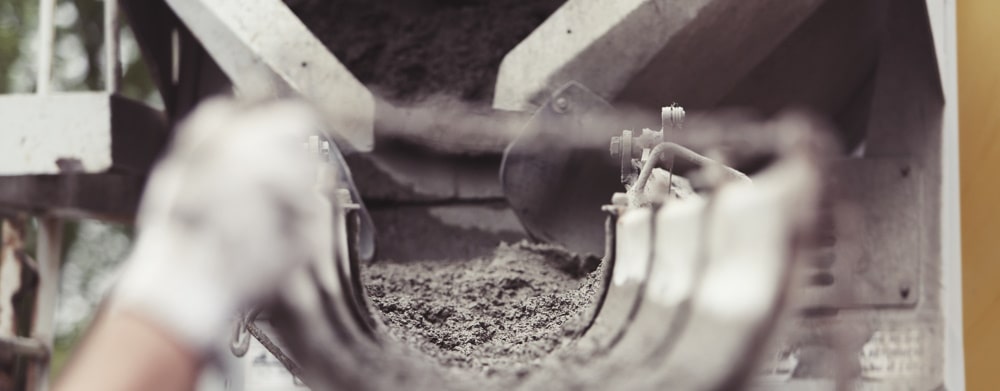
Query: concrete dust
[(497, 314)]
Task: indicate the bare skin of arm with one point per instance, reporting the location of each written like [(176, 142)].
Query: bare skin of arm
[(127, 352)]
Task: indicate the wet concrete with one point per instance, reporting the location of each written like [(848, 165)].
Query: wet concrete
[(497, 315), (406, 50), (447, 232)]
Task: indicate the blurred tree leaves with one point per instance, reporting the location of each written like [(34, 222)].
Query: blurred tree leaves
[(79, 46), (16, 18)]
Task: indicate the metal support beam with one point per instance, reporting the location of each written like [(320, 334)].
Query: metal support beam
[(25, 347), (603, 45), (112, 63), (78, 132), (266, 51), (761, 54), (102, 196), (46, 37)]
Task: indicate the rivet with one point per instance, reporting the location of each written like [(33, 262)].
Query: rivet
[(561, 105)]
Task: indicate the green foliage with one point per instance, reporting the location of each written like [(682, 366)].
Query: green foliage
[(63, 347), (19, 22), (17, 17)]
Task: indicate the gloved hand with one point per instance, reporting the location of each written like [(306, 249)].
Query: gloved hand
[(227, 215)]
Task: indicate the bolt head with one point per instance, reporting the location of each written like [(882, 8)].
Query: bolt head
[(561, 105)]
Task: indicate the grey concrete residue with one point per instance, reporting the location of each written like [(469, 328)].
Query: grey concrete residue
[(443, 232), (497, 314)]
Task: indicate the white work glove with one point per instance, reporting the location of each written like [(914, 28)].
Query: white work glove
[(226, 216)]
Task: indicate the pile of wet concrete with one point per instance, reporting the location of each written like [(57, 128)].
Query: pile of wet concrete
[(499, 314)]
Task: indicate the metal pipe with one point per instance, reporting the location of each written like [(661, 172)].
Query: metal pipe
[(449, 128), (46, 37), (112, 65), (668, 151), (275, 350)]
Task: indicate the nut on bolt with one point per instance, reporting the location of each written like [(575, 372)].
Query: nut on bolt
[(616, 146), (672, 117), (561, 104)]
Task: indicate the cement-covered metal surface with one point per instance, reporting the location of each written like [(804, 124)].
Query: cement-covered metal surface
[(852, 337), (554, 179), (889, 348), (867, 254), (78, 132), (266, 51)]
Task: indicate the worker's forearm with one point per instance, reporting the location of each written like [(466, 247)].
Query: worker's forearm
[(226, 216), (126, 352)]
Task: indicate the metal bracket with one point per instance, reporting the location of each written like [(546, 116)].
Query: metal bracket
[(554, 181), (869, 251)]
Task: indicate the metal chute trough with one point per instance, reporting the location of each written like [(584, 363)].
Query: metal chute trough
[(765, 182)]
